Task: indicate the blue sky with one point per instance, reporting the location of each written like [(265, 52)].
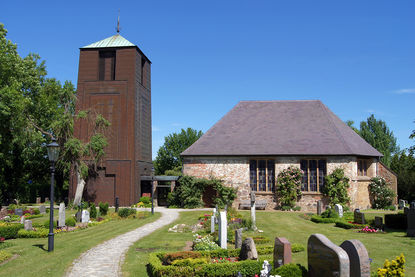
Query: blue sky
[(357, 57)]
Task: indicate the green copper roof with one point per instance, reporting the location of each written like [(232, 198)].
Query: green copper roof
[(114, 41)]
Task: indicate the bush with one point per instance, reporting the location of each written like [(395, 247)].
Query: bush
[(289, 186), (204, 243), (344, 224), (318, 219), (4, 255), (33, 216), (395, 268), (126, 212), (46, 224), (190, 262), (297, 208), (170, 257), (39, 233), (261, 240), (146, 200), (381, 193), (296, 247), (10, 230), (396, 221), (70, 222), (103, 208), (290, 270), (335, 188), (93, 211), (330, 213)]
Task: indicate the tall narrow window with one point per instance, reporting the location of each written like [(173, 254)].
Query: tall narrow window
[(362, 166), (106, 65), (314, 173), (262, 175), (143, 63)]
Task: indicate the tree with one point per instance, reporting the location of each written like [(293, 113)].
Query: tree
[(168, 156), (404, 166), (412, 136), (350, 123), (377, 134), (336, 187)]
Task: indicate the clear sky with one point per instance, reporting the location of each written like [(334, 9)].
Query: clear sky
[(357, 57)]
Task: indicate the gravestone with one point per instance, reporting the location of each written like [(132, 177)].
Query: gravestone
[(117, 204), (46, 199), (216, 214), (78, 216), (253, 217), (401, 204), (410, 217), (238, 238), (42, 209), (339, 209), (248, 250), (28, 225), (212, 224), (325, 258), (319, 207), (282, 252), (61, 221), (38, 200), (22, 220), (223, 230), (85, 216), (358, 257), (359, 217), (378, 222), (18, 212)]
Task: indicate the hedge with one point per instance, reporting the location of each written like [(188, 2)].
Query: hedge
[(345, 225), (319, 219), (4, 255), (33, 216), (396, 221), (9, 231), (247, 268), (39, 233)]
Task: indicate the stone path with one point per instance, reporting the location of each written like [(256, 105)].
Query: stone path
[(106, 258)]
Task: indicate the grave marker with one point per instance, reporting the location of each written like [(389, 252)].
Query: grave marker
[(410, 217), (223, 230), (378, 222), (42, 209), (28, 225), (248, 250), (238, 238), (359, 217), (61, 221), (282, 252), (319, 207), (358, 257), (212, 224), (85, 216), (339, 209), (38, 200), (253, 217), (325, 258), (18, 212)]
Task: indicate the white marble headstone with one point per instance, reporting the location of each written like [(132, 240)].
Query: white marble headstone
[(85, 216), (339, 209), (223, 230), (61, 221)]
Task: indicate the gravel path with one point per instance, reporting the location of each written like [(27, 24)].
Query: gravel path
[(106, 258)]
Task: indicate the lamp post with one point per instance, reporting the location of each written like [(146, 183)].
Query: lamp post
[(53, 153), (152, 190)]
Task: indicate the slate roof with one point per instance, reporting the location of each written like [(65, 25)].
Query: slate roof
[(255, 128), (114, 41)]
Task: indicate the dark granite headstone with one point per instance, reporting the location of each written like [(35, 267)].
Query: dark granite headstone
[(78, 216), (248, 250), (359, 217), (238, 238), (18, 212), (117, 204), (319, 207), (282, 252), (410, 217), (325, 258), (378, 222), (358, 257)]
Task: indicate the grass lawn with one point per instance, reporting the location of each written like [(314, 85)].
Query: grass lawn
[(282, 224), (34, 260)]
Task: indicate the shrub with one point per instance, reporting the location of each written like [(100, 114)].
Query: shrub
[(335, 188), (187, 193), (289, 186), (330, 213), (46, 224), (318, 219), (204, 243), (297, 208), (126, 212), (224, 194), (103, 208), (381, 193), (33, 216), (70, 221), (93, 211), (39, 233), (146, 200), (296, 247), (396, 221), (344, 224), (5, 244), (395, 268), (170, 257), (290, 270), (4, 255), (261, 240), (10, 230), (190, 262)]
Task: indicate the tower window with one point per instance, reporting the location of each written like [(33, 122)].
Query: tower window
[(106, 65), (143, 62)]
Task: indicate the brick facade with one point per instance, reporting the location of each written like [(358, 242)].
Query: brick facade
[(234, 171), (390, 177)]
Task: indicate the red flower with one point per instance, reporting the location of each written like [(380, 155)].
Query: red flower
[(2, 239)]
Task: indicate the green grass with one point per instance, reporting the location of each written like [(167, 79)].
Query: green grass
[(34, 260), (282, 224)]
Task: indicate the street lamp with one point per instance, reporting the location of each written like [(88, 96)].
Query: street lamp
[(152, 190), (53, 154)]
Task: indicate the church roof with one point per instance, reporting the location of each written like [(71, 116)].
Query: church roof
[(114, 41), (255, 128)]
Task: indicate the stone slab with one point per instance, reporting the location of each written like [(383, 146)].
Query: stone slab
[(42, 209), (18, 212), (223, 230), (85, 216), (358, 257), (28, 225), (238, 238), (282, 252), (359, 217), (61, 221), (248, 250), (325, 258), (378, 222), (319, 207), (410, 217), (339, 209)]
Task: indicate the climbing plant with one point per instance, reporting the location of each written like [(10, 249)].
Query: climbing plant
[(335, 188), (289, 186)]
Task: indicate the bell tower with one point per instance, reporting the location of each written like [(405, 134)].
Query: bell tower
[(114, 79)]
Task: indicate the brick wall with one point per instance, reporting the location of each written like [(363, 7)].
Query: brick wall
[(390, 177)]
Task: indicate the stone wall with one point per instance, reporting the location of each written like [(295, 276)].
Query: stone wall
[(234, 171), (390, 177)]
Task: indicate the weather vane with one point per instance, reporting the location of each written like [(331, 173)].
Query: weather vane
[(118, 22)]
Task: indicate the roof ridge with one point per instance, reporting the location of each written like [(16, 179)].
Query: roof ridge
[(335, 127), (267, 101)]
